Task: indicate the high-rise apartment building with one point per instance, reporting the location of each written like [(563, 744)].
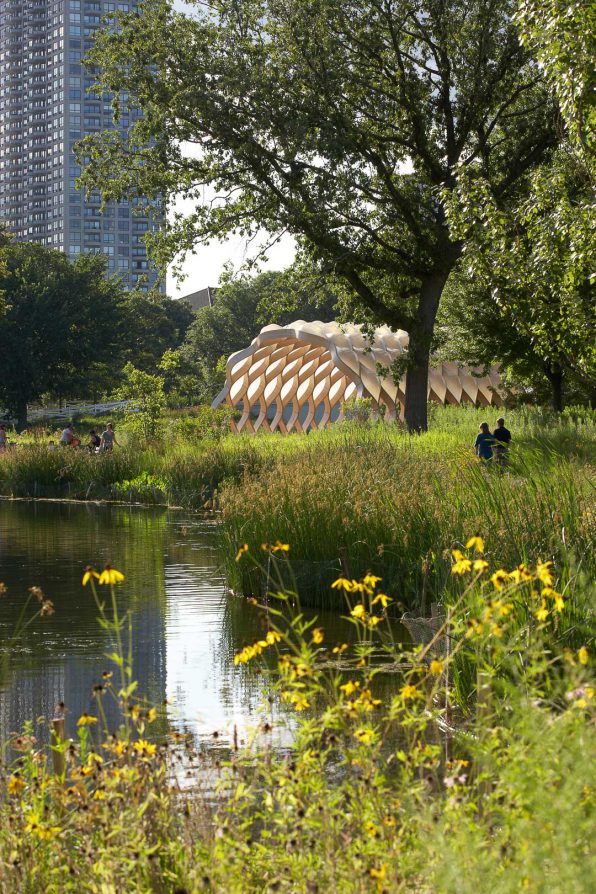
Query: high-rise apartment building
[(44, 110)]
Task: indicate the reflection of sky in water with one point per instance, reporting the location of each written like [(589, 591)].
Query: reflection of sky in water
[(185, 628), (206, 692)]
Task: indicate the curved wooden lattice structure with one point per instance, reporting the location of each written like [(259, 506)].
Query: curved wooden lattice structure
[(296, 377)]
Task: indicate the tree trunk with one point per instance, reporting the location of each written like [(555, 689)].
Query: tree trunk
[(419, 353), (555, 376)]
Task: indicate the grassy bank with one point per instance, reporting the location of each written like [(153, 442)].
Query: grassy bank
[(352, 498), (383, 790)]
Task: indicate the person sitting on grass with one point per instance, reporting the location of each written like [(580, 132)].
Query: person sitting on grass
[(67, 435), (483, 445), (108, 439)]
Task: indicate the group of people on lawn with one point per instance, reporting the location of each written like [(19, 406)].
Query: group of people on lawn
[(489, 446), (95, 444)]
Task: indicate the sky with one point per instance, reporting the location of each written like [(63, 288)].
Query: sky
[(206, 265)]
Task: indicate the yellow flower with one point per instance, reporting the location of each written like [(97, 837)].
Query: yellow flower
[(110, 576), (358, 586), (370, 829), (120, 747), (497, 630), (371, 580), (342, 583), (36, 828), (272, 637), (583, 655), (358, 611), (477, 543), (89, 573), (543, 572), (99, 795), (383, 599), (520, 574), (408, 691), (337, 650), (480, 565), (350, 687), (365, 735), (542, 613), (559, 602), (379, 873), (498, 578), (143, 747), (461, 565), (86, 720), (373, 620), (318, 635), (276, 547), (151, 715), (243, 549), (436, 666), (15, 785)]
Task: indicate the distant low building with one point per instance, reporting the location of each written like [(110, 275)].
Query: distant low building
[(202, 298)]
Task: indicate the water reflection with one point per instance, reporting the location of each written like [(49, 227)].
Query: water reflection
[(181, 650), (186, 629)]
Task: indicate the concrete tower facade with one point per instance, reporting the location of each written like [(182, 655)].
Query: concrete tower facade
[(44, 110)]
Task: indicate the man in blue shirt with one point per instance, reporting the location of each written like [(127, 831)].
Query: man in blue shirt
[(483, 445)]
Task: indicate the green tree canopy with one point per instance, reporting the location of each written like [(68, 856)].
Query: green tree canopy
[(534, 252), (156, 324), (338, 121), (475, 329), (64, 327)]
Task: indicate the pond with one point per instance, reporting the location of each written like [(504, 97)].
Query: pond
[(186, 627)]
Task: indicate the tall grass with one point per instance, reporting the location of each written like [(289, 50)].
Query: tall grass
[(368, 501), (353, 497)]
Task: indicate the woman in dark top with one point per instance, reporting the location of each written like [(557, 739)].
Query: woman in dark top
[(483, 445)]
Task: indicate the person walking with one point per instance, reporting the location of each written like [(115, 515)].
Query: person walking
[(3, 436), (108, 439), (483, 445), (502, 438)]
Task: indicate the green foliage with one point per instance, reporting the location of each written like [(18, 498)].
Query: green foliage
[(63, 331), (534, 251), (473, 327), (338, 122), (382, 785), (145, 488), (561, 33), (535, 259), (156, 324), (146, 401)]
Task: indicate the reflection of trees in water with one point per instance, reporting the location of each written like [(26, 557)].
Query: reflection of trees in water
[(61, 657)]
